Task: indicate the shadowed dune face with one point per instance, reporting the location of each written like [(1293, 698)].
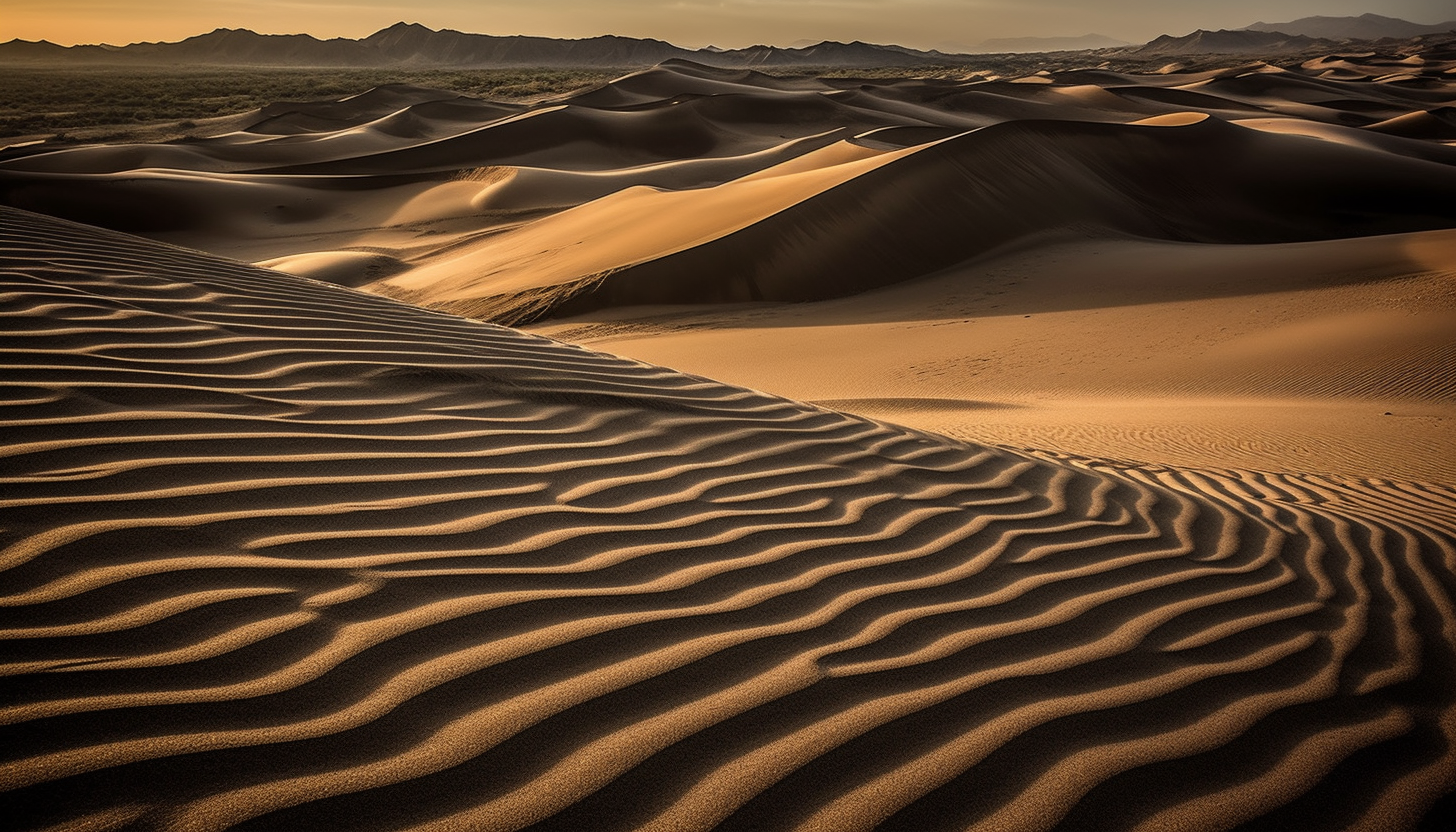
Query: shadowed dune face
[(684, 184), (279, 555)]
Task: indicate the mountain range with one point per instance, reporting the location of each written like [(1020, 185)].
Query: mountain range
[(1230, 41), (1364, 27), (414, 45)]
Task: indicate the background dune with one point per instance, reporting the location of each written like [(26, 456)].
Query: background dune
[(282, 555), (511, 212)]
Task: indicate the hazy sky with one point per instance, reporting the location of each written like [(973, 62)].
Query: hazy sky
[(692, 23)]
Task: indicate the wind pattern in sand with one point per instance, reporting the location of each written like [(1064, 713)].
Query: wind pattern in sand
[(281, 555)]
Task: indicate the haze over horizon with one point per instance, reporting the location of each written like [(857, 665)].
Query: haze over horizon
[(688, 23)]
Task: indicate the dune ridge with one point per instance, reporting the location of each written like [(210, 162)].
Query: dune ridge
[(951, 201), (689, 184), (278, 554)]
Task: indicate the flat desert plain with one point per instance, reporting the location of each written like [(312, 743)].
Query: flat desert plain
[(716, 450)]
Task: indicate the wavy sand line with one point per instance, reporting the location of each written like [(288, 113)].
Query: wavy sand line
[(507, 583)]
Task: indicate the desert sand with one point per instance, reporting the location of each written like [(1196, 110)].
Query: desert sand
[(1069, 451)]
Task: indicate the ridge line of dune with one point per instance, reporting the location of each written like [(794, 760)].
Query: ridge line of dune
[(509, 582)]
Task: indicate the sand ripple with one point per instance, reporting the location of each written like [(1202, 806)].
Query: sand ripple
[(279, 555)]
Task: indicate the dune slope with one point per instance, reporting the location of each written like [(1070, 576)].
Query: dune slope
[(280, 555), (687, 184), (1333, 356), (947, 202)]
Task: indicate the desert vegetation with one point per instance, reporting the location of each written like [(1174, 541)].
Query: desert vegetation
[(36, 101)]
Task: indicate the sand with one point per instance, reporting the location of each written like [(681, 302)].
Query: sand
[(1067, 452), (1334, 356)]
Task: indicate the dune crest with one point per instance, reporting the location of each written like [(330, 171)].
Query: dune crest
[(281, 555), (689, 184)]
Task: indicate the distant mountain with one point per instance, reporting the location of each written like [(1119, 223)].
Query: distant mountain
[(43, 51), (826, 54), (1364, 27), (1002, 45), (413, 45), (859, 53), (1204, 42), (33, 50), (241, 46)]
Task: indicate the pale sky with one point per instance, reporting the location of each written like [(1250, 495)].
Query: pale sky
[(689, 23)]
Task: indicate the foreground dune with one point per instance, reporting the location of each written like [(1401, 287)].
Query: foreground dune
[(281, 555)]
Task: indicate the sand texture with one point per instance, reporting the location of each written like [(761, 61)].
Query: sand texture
[(1251, 266), (685, 184), (282, 555), (1074, 451), (1332, 356)]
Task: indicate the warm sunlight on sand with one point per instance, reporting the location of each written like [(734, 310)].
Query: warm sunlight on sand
[(1072, 448)]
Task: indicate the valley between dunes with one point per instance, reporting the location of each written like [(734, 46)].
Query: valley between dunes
[(715, 450)]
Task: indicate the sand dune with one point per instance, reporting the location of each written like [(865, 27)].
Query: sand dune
[(279, 555), (1170, 543), (953, 200), (457, 189), (1333, 356)]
